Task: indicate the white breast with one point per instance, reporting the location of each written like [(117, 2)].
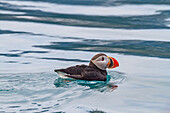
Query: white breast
[(62, 74)]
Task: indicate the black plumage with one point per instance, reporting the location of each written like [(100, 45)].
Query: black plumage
[(85, 72)]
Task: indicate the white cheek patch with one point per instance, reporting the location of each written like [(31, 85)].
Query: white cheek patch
[(101, 64)]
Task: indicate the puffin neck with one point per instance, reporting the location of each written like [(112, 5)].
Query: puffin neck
[(93, 65)]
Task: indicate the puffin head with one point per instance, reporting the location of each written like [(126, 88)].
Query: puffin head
[(102, 61)]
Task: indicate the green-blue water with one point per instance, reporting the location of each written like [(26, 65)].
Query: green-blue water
[(38, 36)]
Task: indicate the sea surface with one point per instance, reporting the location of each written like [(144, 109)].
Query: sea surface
[(38, 36)]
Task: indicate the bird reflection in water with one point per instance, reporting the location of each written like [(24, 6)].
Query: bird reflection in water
[(90, 85)]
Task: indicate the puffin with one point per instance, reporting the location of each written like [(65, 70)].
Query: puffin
[(95, 71)]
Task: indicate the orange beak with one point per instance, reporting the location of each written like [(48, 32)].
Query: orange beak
[(112, 63)]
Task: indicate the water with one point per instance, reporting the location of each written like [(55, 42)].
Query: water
[(38, 36)]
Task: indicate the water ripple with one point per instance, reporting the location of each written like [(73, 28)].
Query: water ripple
[(103, 2), (65, 59), (134, 18), (129, 47)]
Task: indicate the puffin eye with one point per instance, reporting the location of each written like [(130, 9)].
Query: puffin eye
[(102, 58)]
